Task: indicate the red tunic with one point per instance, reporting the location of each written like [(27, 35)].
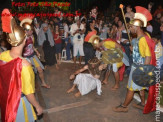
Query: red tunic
[(28, 48)]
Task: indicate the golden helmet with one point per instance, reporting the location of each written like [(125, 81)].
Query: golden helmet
[(17, 36), (92, 38), (142, 16), (137, 22), (15, 33), (26, 22)]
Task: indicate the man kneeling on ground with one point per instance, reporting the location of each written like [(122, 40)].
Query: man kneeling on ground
[(88, 82)]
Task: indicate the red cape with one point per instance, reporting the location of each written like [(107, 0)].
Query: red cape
[(151, 101), (122, 68), (10, 89)]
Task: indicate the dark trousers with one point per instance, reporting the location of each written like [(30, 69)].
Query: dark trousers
[(68, 50), (89, 52)]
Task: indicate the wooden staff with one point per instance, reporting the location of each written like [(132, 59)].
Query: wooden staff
[(121, 7)]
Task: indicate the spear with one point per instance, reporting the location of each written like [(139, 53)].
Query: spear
[(121, 7)]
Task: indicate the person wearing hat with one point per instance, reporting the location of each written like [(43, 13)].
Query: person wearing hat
[(30, 51), (143, 54), (17, 79), (88, 82), (117, 64)]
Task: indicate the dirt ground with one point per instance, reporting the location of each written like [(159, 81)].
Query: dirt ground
[(65, 107)]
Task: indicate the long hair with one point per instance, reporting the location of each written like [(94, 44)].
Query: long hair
[(56, 30)]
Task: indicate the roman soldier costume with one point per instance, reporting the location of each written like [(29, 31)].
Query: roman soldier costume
[(142, 16), (29, 50), (16, 80)]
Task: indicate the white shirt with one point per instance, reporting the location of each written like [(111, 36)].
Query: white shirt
[(66, 30), (74, 27), (77, 41)]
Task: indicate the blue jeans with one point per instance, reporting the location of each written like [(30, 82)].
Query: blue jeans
[(68, 49)]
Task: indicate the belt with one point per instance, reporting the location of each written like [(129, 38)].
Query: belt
[(30, 55), (137, 64), (22, 95)]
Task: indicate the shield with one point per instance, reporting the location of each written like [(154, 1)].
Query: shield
[(111, 56), (144, 75)]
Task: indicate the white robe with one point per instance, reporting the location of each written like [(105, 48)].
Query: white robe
[(87, 83)]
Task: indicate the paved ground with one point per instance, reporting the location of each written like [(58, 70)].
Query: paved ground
[(88, 108)]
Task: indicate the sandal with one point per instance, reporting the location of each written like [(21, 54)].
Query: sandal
[(139, 106), (120, 108)]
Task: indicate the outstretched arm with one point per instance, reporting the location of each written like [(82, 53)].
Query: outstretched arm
[(78, 71)]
